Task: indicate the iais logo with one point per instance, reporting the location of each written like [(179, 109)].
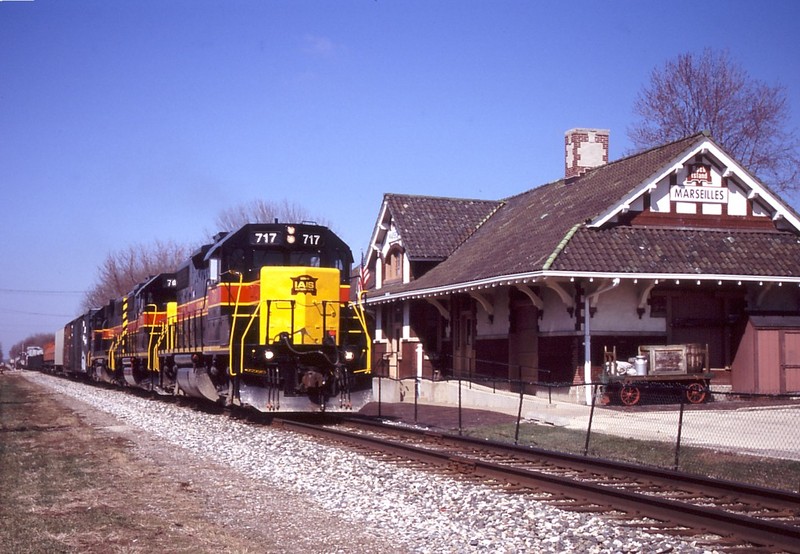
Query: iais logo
[(304, 284)]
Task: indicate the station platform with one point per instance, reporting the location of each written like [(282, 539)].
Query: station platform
[(438, 417)]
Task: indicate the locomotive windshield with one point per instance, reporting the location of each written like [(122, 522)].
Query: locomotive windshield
[(259, 245), (245, 260)]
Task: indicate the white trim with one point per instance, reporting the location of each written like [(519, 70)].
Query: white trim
[(707, 147), (380, 229), (646, 186), (541, 277)]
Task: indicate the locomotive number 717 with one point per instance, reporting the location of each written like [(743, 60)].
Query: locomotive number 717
[(266, 238)]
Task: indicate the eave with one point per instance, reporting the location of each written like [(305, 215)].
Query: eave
[(541, 277)]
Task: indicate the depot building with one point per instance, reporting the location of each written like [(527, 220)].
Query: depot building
[(679, 244)]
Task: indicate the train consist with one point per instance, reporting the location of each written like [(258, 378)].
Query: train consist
[(262, 317)]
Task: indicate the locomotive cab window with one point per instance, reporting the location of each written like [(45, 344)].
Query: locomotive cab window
[(237, 260), (307, 259), (213, 269), (263, 258)]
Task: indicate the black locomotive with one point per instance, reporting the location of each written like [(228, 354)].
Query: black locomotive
[(261, 317)]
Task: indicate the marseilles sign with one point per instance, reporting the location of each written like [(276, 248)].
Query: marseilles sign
[(694, 193)]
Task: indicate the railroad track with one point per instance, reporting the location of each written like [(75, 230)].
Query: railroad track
[(717, 514)]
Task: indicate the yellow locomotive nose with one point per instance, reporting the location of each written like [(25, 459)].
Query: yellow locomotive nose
[(302, 302)]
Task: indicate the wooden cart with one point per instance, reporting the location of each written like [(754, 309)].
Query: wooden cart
[(683, 367)]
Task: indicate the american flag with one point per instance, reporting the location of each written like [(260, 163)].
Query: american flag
[(363, 276)]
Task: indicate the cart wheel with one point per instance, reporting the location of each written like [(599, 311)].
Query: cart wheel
[(629, 395), (696, 393)]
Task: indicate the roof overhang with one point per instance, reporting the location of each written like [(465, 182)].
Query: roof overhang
[(375, 297)]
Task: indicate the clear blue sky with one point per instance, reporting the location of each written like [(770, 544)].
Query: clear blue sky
[(127, 122)]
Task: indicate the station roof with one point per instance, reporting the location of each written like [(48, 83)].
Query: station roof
[(433, 227), (568, 228)]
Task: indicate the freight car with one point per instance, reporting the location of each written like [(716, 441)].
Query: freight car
[(261, 317), (34, 358), (49, 357), (681, 368), (76, 352)]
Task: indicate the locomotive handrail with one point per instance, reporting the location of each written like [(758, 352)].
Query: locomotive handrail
[(244, 336), (358, 309), (150, 335), (161, 335), (112, 363), (233, 322)]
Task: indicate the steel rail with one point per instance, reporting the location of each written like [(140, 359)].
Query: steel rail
[(707, 485), (703, 519)]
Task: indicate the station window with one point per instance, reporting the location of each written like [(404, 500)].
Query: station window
[(393, 265)]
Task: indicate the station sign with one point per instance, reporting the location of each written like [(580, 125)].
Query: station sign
[(698, 188)]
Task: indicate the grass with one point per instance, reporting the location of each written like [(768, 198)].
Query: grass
[(66, 486), (756, 470), (46, 470)]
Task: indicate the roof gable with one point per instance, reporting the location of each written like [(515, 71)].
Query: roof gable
[(430, 228), (525, 233), (578, 226), (674, 188)]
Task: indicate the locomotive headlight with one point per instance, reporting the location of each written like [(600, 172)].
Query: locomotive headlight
[(349, 355), (269, 354)]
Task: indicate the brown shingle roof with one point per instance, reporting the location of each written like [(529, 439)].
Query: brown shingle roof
[(545, 229), (683, 251), (526, 230), (433, 227)]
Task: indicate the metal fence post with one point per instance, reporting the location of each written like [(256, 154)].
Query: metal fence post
[(680, 430), (459, 405), (415, 400), (589, 427), (380, 382), (519, 411)]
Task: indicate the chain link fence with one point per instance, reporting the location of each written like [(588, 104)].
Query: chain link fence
[(747, 438)]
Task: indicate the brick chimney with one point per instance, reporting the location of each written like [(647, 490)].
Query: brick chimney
[(585, 149)]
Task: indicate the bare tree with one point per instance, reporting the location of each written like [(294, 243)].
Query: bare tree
[(121, 271), (710, 92), (264, 211)]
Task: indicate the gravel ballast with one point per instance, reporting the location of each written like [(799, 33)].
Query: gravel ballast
[(414, 511)]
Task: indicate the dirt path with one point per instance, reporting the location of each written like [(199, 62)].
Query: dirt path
[(73, 479)]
